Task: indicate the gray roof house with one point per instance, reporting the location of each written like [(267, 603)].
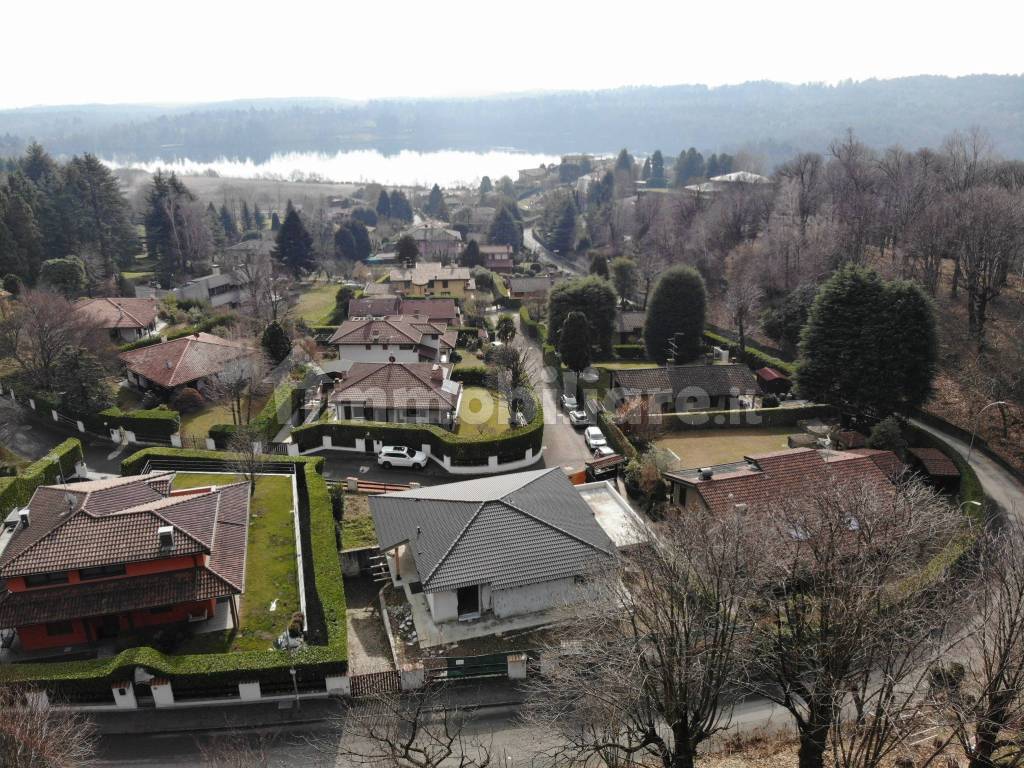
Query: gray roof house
[(674, 388), (498, 553)]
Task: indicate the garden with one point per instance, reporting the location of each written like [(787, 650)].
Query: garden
[(707, 447), (482, 413)]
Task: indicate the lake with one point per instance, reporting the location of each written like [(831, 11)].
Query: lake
[(449, 168)]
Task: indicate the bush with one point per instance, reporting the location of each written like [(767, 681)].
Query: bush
[(283, 402), (615, 437), (156, 423), (471, 375), (769, 401), (752, 357), (887, 435), (629, 351), (187, 400), (755, 417), (57, 464)]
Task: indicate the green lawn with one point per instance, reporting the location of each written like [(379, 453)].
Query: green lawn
[(706, 447), (198, 423), (270, 570), (357, 529), (481, 413), (316, 303), (469, 359)]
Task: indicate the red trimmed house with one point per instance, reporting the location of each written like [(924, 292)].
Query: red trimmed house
[(88, 561)]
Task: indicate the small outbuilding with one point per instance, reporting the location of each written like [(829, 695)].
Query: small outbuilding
[(936, 466), (772, 381)]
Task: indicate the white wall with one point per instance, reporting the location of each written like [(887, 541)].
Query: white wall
[(444, 606), (377, 354), (534, 597)]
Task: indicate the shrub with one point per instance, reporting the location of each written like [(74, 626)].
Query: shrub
[(471, 375), (629, 351), (283, 402), (675, 315), (769, 401), (187, 400), (57, 464), (887, 435)]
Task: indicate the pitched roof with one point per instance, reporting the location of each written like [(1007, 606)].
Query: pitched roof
[(715, 380), (112, 312), (424, 272), (378, 289), (180, 361), (396, 385), (765, 478), (115, 522), (935, 462), (506, 531), (629, 322), (432, 309), (374, 306), (532, 284), (393, 329), (770, 374)]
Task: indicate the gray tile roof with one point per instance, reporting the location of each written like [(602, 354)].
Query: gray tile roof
[(715, 380), (506, 531)]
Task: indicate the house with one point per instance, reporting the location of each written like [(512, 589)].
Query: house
[(374, 306), (125, 319), (936, 466), (374, 289), (675, 388), (220, 288), (629, 326), (531, 176), (773, 381), (761, 479), (435, 310), (189, 361), (396, 338), (402, 393), (498, 258), (431, 279), (717, 184), (435, 243), (89, 561), (503, 552), (526, 288)]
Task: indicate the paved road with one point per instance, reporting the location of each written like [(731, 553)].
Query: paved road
[(999, 485), (546, 256), (33, 438)]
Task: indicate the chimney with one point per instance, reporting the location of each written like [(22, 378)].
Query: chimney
[(165, 536), (437, 373), (24, 517), (706, 473), (215, 269), (741, 508), (167, 364), (195, 335)]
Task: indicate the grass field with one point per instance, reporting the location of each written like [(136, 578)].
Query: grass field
[(270, 572), (316, 303), (357, 529), (198, 424), (469, 359), (705, 447), (481, 413)]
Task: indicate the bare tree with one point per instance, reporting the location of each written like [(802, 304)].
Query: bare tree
[(234, 751), (805, 173), (847, 623), (246, 449), (266, 292), (743, 294), (238, 383), (415, 729), (510, 374), (644, 673), (35, 735)]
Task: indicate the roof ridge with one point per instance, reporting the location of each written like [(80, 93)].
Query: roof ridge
[(123, 310), (456, 540), (552, 526)]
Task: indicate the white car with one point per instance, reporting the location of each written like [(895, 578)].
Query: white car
[(401, 456), (594, 438), (569, 402), (579, 418), (604, 450)]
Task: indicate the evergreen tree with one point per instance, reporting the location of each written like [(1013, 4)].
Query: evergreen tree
[(12, 284), (216, 227), (341, 299), (657, 176), (485, 186), (645, 171), (675, 316), (436, 205), (37, 163), (624, 277), (344, 244), (712, 167), (471, 256), (294, 245), (505, 230), (275, 222), (361, 238), (21, 242), (561, 225), (400, 207), (505, 329), (574, 346), (83, 380), (383, 205), (246, 217), (66, 276), (163, 221), (227, 223), (258, 218), (407, 251), (97, 214), (593, 297), (599, 265), (624, 162), (366, 215), (869, 346), (275, 342)]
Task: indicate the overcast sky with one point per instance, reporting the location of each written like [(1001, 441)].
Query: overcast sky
[(77, 52)]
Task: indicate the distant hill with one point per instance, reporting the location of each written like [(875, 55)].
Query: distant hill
[(773, 119)]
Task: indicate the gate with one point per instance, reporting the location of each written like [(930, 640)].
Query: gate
[(467, 667), (374, 683)]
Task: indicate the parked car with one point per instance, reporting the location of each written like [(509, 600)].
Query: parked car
[(579, 418), (401, 456), (594, 438), (603, 450), (569, 402)]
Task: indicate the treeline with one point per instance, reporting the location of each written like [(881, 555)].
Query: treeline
[(67, 221), (775, 119)]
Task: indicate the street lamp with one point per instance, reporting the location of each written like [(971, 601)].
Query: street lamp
[(977, 418), (972, 503)]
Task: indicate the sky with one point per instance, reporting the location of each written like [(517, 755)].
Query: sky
[(108, 51)]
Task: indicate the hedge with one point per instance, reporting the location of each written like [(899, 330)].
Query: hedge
[(201, 327), (530, 327), (58, 464), (323, 333), (471, 375), (463, 450), (158, 423), (752, 357), (212, 672), (268, 421), (630, 351), (749, 417), (615, 436)]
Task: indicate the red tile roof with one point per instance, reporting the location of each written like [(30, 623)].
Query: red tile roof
[(935, 462), (118, 312), (396, 329), (435, 310), (770, 374), (182, 361), (396, 385)]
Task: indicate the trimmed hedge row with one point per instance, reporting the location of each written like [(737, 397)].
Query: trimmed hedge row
[(211, 672), (615, 436), (268, 421), (752, 357), (629, 351), (751, 417), (57, 464), (471, 375), (201, 327), (159, 422), (530, 327), (464, 450)]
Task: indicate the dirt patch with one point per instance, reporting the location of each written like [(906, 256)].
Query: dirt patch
[(368, 648)]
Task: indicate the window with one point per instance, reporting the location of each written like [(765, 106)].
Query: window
[(405, 346), (162, 609), (384, 346), (59, 628), (369, 346), (45, 579), (444, 283), (411, 412), (101, 572)]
